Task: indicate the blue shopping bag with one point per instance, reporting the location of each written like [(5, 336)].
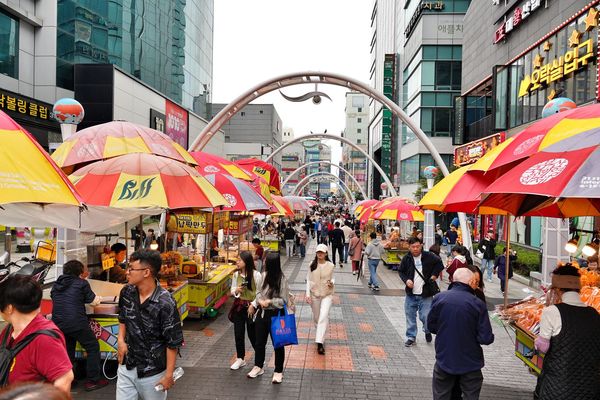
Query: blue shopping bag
[(283, 329)]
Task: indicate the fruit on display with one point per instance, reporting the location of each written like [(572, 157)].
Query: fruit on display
[(589, 278)]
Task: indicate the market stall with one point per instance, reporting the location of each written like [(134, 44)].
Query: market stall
[(523, 318)]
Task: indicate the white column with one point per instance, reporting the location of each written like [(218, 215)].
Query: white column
[(555, 233), (428, 234)]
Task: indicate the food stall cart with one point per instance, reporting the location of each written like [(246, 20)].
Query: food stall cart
[(524, 318)]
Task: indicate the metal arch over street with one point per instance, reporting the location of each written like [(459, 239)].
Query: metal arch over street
[(345, 190), (343, 140), (311, 77), (300, 168), (306, 180)]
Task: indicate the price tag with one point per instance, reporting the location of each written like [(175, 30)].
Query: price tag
[(108, 263)]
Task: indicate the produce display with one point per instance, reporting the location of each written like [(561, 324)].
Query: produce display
[(527, 313)]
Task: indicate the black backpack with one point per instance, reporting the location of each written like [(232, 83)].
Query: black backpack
[(8, 355)]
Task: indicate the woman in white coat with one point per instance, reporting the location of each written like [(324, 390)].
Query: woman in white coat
[(319, 293)]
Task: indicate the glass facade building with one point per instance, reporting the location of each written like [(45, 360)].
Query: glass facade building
[(165, 44), (9, 45)]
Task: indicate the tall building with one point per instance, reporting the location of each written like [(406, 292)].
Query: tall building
[(146, 61), (356, 130), (430, 51), (416, 53), (382, 128), (291, 159), (165, 44), (517, 56), (317, 150), (255, 131)]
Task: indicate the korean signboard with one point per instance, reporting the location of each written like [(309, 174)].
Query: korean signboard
[(422, 7), (25, 107), (559, 68), (176, 123), (387, 127), (473, 151), (189, 222), (516, 18)]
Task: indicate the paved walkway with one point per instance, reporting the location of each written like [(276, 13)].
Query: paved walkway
[(365, 356)]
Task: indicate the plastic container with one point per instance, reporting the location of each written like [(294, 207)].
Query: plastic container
[(178, 373)]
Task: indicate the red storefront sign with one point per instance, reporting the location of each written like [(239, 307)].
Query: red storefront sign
[(176, 123)]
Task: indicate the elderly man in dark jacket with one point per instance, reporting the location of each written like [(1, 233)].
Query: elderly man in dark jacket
[(461, 324), (416, 268)]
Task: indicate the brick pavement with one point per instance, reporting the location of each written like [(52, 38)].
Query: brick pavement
[(365, 357)]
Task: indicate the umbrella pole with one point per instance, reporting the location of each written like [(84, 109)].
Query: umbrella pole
[(7, 242), (507, 261)]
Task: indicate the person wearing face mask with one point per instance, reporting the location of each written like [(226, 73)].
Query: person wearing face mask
[(70, 293), (244, 282), (319, 293)]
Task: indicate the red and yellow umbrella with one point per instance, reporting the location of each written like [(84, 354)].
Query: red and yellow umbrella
[(361, 205), (281, 207), (366, 215), (211, 164), (566, 131), (265, 170), (297, 203), (113, 139), (27, 173), (397, 209), (560, 185), (240, 195), (146, 181)]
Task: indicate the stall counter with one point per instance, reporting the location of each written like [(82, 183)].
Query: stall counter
[(270, 244), (106, 326), (212, 293)]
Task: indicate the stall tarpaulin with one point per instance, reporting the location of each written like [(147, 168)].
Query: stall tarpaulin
[(263, 169)]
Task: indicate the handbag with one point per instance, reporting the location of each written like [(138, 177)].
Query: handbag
[(479, 253), (430, 287), (283, 329), (237, 306)]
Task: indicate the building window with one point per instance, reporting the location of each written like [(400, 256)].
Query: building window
[(243, 113), (9, 45), (359, 120), (260, 111), (358, 141), (359, 130), (359, 109)]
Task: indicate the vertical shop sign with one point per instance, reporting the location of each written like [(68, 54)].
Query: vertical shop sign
[(176, 123), (387, 126)]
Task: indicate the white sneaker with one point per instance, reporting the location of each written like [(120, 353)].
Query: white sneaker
[(256, 371), (277, 378), (239, 363)]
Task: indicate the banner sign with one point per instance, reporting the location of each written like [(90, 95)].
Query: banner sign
[(189, 222), (473, 151), (176, 123)]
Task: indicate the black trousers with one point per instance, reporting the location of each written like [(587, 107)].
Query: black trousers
[(443, 384), (263, 330), (241, 322), (88, 341), (339, 250)]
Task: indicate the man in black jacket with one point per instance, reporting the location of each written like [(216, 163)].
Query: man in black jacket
[(337, 243), (428, 267)]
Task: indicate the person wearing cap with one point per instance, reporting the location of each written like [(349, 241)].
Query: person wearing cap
[(569, 337), (319, 293)]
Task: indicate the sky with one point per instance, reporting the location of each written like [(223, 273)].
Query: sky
[(257, 40)]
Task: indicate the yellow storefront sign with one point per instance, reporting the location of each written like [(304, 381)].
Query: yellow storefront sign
[(188, 222), (543, 74)]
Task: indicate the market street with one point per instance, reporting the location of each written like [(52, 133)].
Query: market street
[(365, 355)]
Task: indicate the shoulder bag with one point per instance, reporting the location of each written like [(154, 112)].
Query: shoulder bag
[(430, 287)]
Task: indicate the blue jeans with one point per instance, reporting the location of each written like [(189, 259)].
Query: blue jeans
[(412, 305), (346, 246), (302, 249), (489, 265), (130, 387), (373, 263)]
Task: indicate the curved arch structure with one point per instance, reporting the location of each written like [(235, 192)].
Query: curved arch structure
[(300, 168), (306, 180), (311, 77), (340, 139)]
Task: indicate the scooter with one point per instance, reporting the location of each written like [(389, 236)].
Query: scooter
[(36, 267)]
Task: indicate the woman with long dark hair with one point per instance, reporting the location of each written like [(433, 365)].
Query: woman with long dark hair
[(270, 298), (244, 284), (319, 293)]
